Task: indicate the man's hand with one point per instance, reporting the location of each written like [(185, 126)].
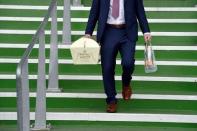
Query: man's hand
[(147, 37), (88, 36)]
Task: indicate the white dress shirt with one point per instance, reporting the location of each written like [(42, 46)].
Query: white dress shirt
[(121, 18)]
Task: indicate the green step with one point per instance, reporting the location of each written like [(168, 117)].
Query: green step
[(25, 13), (30, 2), (162, 3), (139, 55), (85, 14), (107, 126), (169, 3), (172, 15), (98, 105), (164, 27), (139, 87), (149, 3), (70, 69), (96, 86), (157, 40)]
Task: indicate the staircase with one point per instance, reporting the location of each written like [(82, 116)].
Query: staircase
[(162, 101)]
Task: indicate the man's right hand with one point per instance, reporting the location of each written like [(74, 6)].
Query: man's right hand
[(88, 36)]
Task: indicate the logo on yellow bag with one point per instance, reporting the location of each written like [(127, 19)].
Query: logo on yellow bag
[(85, 51)]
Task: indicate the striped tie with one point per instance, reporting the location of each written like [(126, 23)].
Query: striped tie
[(115, 8)]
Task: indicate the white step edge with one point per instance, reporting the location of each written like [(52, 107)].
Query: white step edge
[(69, 61), (132, 117), (62, 46), (103, 96), (39, 19), (30, 7), (48, 32), (99, 77)]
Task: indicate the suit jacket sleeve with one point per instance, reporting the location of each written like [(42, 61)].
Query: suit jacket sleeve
[(93, 17), (141, 16)]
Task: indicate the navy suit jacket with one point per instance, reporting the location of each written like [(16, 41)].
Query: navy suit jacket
[(134, 10)]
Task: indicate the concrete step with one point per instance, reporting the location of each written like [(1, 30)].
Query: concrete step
[(155, 27), (108, 126), (96, 86), (98, 105)]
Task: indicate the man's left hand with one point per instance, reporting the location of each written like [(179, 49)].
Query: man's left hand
[(147, 37)]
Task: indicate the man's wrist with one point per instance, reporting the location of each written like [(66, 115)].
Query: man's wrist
[(88, 35), (147, 33)]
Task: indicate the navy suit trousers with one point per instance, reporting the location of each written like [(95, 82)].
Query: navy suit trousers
[(113, 41)]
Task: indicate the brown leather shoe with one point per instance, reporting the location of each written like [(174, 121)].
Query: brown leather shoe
[(126, 93), (112, 107)]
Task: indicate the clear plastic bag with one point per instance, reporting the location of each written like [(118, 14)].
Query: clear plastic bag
[(149, 58)]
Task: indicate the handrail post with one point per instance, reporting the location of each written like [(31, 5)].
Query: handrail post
[(23, 110), (66, 23), (40, 114), (22, 76), (53, 64)]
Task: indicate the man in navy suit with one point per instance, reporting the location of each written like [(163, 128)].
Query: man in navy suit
[(117, 31)]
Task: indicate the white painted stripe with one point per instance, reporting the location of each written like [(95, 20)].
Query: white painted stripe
[(27, 7), (174, 63), (178, 9), (146, 9), (172, 20), (149, 20), (136, 78), (24, 46), (61, 46), (153, 33), (103, 96), (99, 77), (35, 19), (39, 19), (30, 7), (48, 32), (69, 61), (190, 48), (134, 96), (136, 117)]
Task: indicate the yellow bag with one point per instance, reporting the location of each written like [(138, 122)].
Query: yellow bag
[(85, 51)]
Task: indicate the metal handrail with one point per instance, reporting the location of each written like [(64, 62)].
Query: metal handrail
[(22, 82), (35, 38)]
